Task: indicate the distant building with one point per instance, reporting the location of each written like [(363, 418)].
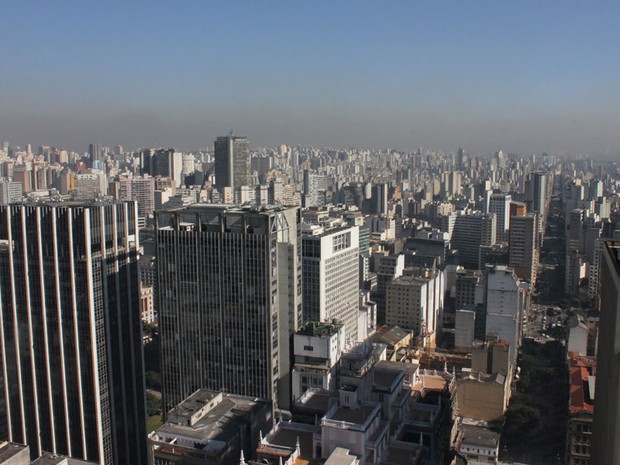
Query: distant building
[(470, 232), (507, 299), (10, 192), (499, 204), (232, 162), (415, 302), (524, 249), (147, 308)]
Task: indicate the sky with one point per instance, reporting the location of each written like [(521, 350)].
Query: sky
[(525, 77)]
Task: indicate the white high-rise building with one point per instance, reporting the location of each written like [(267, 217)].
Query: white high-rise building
[(331, 275), (10, 192), (506, 302), (500, 205), (415, 301)]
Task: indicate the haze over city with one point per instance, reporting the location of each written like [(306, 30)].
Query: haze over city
[(523, 77)]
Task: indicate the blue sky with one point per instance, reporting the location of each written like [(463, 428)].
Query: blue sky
[(523, 76)]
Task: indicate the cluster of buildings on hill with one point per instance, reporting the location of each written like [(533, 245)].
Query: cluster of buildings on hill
[(313, 306)]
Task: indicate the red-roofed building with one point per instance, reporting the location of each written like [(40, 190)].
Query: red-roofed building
[(582, 371)]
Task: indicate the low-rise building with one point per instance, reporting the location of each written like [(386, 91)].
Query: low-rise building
[(478, 444), (581, 408), (482, 396), (210, 428), (316, 349)]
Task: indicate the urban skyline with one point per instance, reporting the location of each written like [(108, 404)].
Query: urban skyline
[(326, 233), (523, 77)]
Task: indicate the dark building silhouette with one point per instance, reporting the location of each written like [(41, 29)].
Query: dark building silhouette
[(70, 334)]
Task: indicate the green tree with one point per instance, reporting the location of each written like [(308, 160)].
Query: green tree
[(153, 404)]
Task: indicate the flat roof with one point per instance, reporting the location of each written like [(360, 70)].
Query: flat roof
[(217, 423), (9, 450), (408, 368), (478, 436), (357, 415)]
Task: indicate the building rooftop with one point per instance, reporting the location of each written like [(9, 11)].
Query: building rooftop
[(287, 435), (9, 450), (206, 415), (341, 456), (391, 335), (582, 377), (358, 414), (407, 368), (477, 436), (65, 203), (52, 459), (319, 329), (386, 379)]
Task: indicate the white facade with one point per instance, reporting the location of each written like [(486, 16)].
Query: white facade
[(317, 350), (505, 301), (416, 302), (464, 329), (331, 276), (500, 205)]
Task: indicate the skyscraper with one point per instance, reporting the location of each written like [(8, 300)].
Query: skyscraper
[(229, 299), (524, 246), (232, 162), (606, 424), (538, 196), (331, 276), (500, 205), (70, 334), (470, 232), (94, 150)]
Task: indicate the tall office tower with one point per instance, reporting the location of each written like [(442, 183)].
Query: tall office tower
[(10, 192), (387, 268), (380, 198), (524, 252), (162, 162), (500, 205), (506, 302), (70, 337), (414, 301), (232, 162), (470, 232), (23, 174), (94, 150), (451, 183), (538, 195), (606, 424), (331, 276), (229, 293), (141, 189)]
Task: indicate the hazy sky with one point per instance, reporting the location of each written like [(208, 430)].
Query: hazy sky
[(523, 76)]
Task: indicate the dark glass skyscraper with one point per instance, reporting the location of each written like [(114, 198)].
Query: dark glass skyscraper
[(232, 162), (70, 336), (229, 295)]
